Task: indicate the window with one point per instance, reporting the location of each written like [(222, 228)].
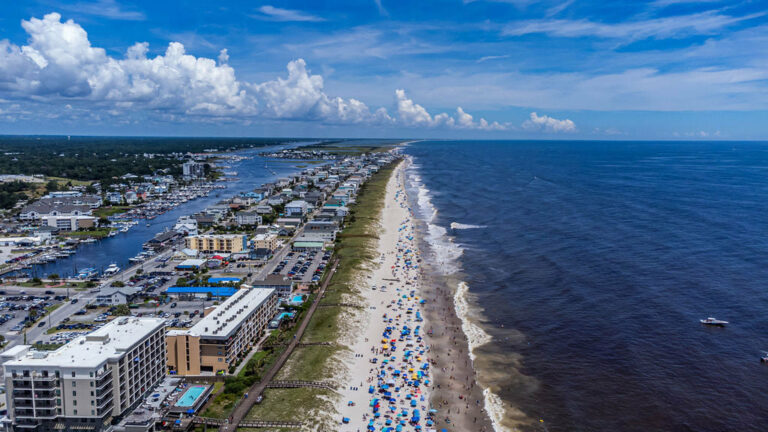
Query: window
[(75, 412), (74, 383), (73, 374), (92, 384), (74, 402), (74, 393)]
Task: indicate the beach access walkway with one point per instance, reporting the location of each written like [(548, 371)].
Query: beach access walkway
[(236, 419)]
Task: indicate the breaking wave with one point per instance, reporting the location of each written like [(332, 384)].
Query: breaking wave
[(476, 336), (445, 252)]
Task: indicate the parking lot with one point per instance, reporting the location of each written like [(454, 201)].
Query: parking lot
[(178, 314), (18, 311), (303, 267)]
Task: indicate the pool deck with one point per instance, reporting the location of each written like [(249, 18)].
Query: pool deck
[(199, 401)]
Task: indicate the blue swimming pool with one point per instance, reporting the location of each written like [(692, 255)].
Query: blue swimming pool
[(189, 397), (297, 299)]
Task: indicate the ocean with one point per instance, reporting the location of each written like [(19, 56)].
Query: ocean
[(583, 269)]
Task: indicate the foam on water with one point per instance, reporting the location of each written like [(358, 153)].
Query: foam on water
[(461, 226), (445, 251), (476, 336)]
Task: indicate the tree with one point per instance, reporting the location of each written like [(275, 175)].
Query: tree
[(122, 310), (52, 186), (118, 284), (36, 281), (90, 189), (139, 271), (53, 276)]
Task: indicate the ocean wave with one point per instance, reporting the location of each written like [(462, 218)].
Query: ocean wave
[(477, 337), (494, 406), (461, 226)]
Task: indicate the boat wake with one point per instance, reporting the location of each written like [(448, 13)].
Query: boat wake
[(461, 226)]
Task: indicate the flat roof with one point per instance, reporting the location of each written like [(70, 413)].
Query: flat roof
[(90, 351), (223, 279), (215, 291), (224, 320), (308, 244)]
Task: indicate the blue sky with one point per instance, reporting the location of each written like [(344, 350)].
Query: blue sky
[(657, 69)]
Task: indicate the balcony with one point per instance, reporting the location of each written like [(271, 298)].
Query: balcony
[(22, 383), (23, 403), (106, 401), (22, 394), (26, 424), (46, 414), (24, 413), (101, 391)]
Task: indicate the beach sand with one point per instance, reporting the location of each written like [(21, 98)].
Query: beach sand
[(448, 384)]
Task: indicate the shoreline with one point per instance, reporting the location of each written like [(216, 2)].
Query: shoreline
[(452, 390)]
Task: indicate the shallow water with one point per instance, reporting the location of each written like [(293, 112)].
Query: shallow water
[(598, 259)]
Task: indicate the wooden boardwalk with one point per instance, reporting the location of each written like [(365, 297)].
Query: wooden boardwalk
[(244, 406), (299, 384)]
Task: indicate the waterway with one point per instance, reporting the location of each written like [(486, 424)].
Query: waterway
[(251, 173)]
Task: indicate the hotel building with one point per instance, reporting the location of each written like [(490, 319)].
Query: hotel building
[(224, 335), (224, 243), (86, 383)]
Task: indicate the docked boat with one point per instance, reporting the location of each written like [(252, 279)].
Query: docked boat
[(764, 357), (713, 322), (112, 270), (87, 273)]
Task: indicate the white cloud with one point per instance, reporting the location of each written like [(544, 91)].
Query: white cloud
[(492, 57), (272, 13), (223, 57), (548, 124), (703, 23), (59, 66), (411, 114), (104, 8)]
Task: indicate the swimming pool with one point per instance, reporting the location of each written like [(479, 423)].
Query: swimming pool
[(297, 299), (189, 397)]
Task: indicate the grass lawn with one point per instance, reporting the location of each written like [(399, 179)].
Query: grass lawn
[(63, 181), (109, 211), (97, 233), (292, 405)]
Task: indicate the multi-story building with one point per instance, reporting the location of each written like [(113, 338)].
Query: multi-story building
[(224, 335), (87, 382), (218, 243), (193, 170), (265, 241)]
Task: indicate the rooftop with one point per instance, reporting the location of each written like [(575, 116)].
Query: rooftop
[(90, 351), (223, 321)]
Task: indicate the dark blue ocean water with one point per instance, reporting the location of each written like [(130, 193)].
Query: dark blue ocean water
[(599, 259)]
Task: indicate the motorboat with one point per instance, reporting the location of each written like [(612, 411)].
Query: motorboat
[(764, 357), (87, 273), (713, 322), (113, 269)]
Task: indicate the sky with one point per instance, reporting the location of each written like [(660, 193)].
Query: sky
[(484, 69)]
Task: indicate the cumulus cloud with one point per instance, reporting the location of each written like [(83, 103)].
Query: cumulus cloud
[(59, 66), (411, 114), (548, 124)]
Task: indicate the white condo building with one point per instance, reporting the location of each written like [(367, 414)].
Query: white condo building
[(86, 383)]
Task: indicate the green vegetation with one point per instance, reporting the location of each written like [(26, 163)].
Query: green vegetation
[(47, 347), (105, 159), (104, 212), (121, 310), (12, 192), (95, 233), (356, 245)]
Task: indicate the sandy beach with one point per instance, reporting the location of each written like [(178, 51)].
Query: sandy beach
[(408, 364)]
